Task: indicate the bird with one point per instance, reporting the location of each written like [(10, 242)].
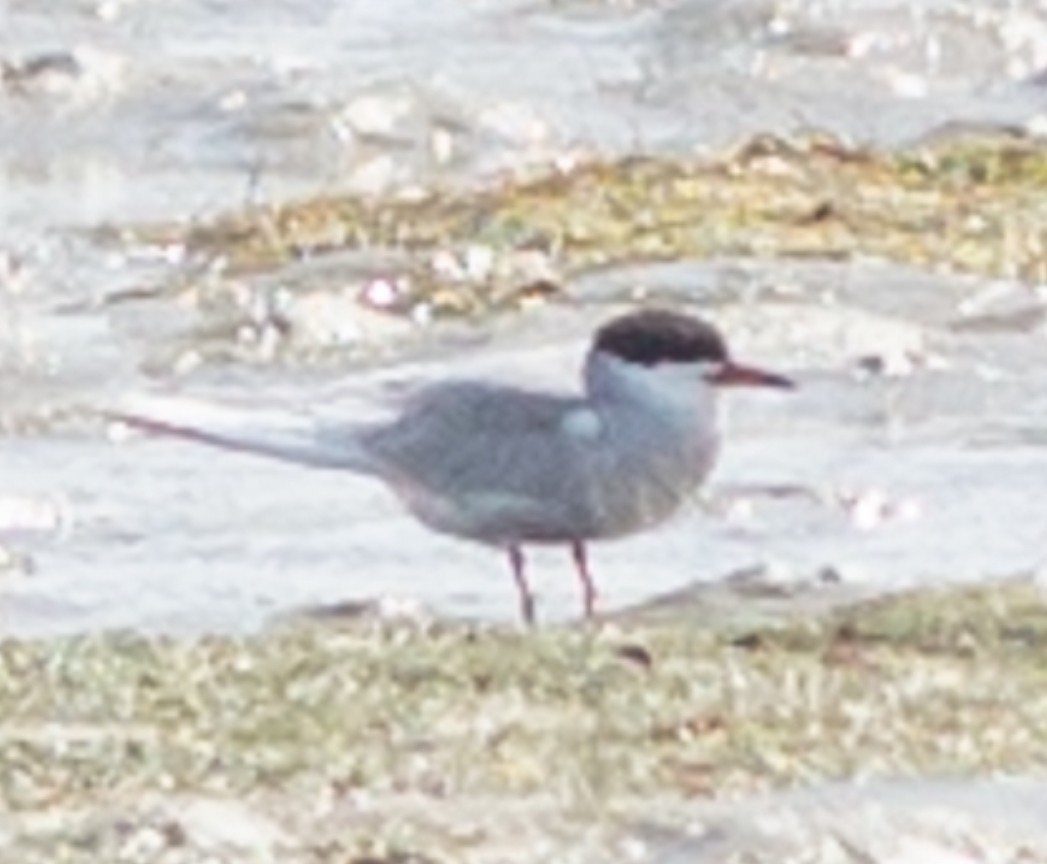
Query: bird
[(511, 467)]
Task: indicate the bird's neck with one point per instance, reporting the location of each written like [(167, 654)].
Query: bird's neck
[(673, 399)]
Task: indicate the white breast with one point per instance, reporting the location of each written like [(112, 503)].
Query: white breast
[(582, 424)]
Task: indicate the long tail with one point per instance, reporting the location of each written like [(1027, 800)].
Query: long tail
[(278, 434)]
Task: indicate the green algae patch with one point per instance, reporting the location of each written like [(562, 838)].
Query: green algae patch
[(314, 717), (973, 203), (316, 281)]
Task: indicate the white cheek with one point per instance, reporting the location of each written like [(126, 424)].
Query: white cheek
[(678, 382), (582, 424), (681, 374)]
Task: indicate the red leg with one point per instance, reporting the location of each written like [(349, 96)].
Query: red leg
[(516, 559), (581, 564)]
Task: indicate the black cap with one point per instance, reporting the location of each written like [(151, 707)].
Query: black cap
[(652, 336)]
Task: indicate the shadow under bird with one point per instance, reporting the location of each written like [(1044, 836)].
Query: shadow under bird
[(509, 467)]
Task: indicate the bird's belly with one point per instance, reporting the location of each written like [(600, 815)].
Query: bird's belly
[(636, 497), (494, 517), (640, 509), (601, 497)]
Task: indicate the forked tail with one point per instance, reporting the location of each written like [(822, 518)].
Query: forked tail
[(284, 435)]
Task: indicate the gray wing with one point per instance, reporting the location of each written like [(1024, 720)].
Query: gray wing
[(488, 462)]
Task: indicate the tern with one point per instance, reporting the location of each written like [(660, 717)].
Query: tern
[(510, 467)]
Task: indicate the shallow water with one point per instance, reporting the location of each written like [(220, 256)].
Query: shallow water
[(913, 451), (858, 476)]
